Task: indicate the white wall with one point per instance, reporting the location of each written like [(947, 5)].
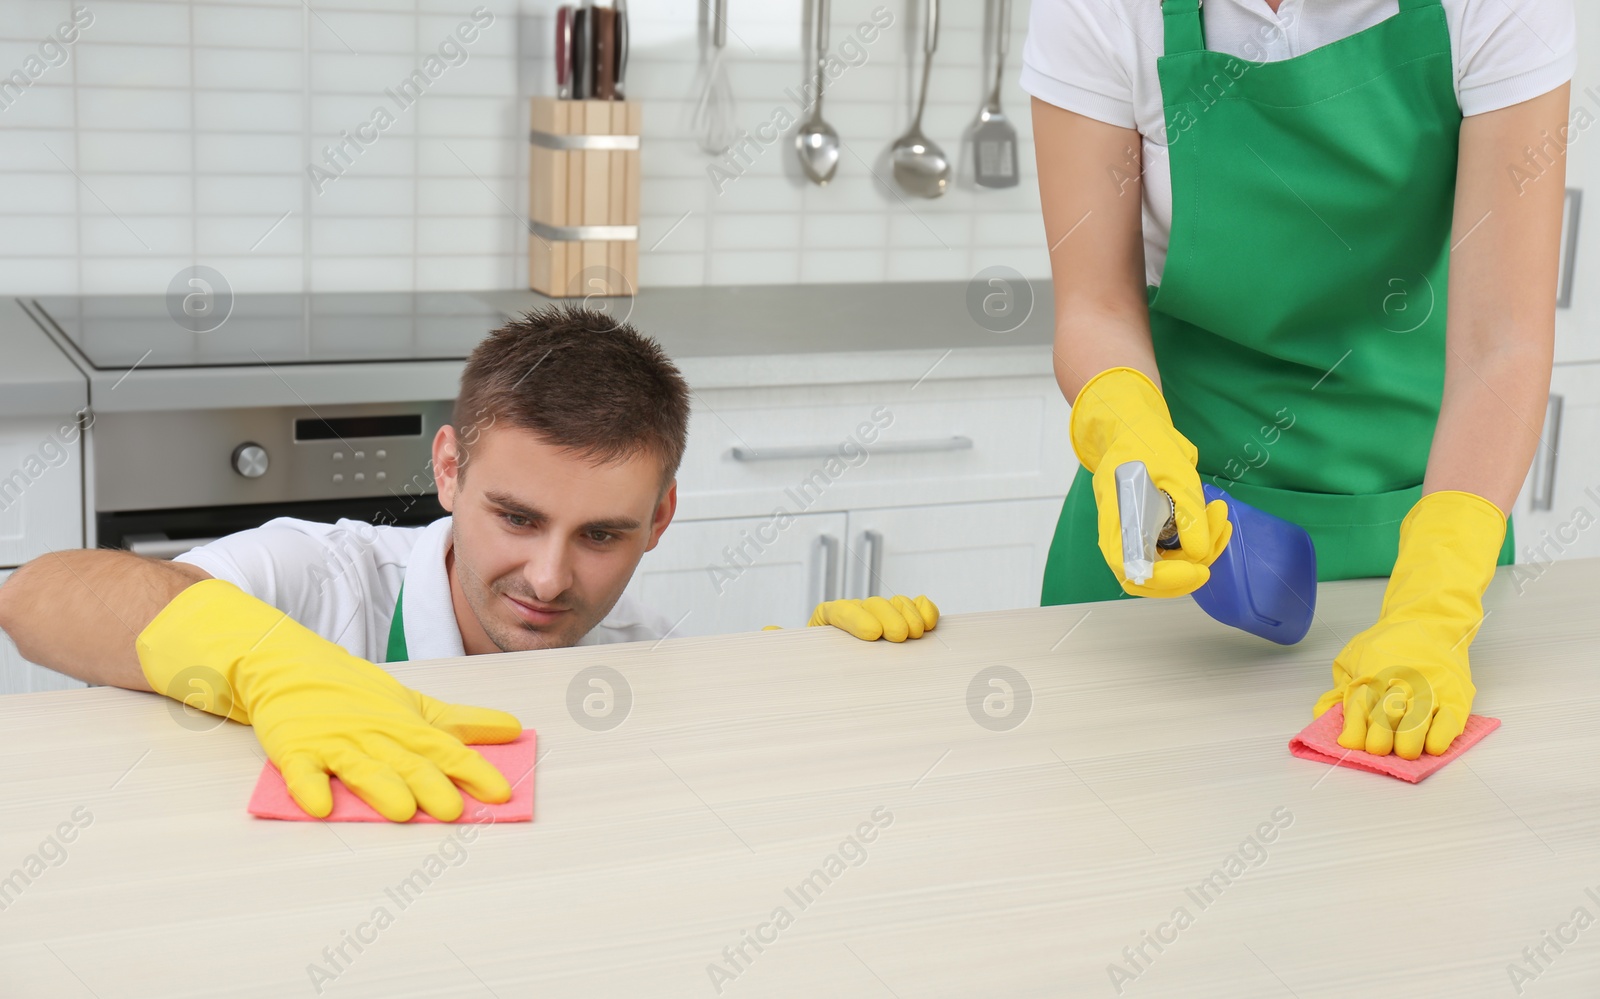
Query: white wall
[(179, 133)]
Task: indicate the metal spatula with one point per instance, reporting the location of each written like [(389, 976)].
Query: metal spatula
[(994, 141)]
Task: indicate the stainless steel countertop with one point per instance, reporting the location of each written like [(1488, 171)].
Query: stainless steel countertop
[(36, 378), (721, 337)]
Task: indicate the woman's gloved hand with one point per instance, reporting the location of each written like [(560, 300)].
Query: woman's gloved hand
[(1405, 682), (1118, 417), (317, 710), (895, 619)]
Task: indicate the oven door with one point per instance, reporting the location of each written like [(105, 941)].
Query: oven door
[(169, 533)]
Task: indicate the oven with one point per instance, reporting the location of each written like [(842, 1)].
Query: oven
[(223, 471), (317, 406)]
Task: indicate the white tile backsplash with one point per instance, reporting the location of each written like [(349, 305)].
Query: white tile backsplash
[(263, 27), (121, 108), (108, 151), (249, 69), (32, 21), (241, 110), (129, 65), (181, 132), (40, 236), (132, 193), (227, 235), (362, 237), (134, 23)]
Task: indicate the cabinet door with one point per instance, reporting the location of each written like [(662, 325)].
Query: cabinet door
[(837, 447), (718, 576), (1558, 513), (18, 676), (41, 488), (965, 556), (1578, 324)]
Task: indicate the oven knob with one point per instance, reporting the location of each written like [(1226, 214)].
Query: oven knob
[(250, 460)]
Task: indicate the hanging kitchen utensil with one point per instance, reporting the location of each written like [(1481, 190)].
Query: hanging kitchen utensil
[(994, 141), (920, 167), (816, 142), (714, 110)]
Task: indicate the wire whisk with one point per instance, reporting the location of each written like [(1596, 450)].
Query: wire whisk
[(713, 123)]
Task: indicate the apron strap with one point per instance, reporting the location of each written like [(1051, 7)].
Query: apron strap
[(1180, 20), (396, 652), (1418, 4)]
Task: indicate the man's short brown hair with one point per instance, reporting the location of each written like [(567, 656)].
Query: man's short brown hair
[(582, 382)]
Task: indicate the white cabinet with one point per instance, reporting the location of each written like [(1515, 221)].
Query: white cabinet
[(740, 574), (18, 676), (1578, 325), (966, 557), (712, 577), (789, 496), (41, 510), (877, 444), (41, 487), (1558, 514)]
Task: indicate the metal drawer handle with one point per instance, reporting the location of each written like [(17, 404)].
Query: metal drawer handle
[(1544, 465), (957, 443), (874, 541), (830, 569), (161, 546), (1569, 252)]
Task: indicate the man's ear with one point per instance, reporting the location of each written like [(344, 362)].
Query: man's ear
[(446, 465), (665, 508)]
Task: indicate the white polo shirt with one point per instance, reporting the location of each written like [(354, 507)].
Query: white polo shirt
[(341, 581), (1098, 58)]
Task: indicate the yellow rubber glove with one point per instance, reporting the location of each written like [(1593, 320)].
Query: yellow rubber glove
[(1118, 417), (318, 710), (1405, 682), (895, 619)]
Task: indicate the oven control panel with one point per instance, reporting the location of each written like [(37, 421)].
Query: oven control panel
[(358, 471), (264, 455)]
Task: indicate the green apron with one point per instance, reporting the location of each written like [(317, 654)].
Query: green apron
[(1299, 326), (396, 651)]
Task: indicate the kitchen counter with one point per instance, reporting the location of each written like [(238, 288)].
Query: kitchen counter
[(995, 860), (721, 337)]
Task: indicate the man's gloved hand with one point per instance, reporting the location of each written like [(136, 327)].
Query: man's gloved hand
[(317, 710), (1120, 416), (1405, 682), (895, 619)]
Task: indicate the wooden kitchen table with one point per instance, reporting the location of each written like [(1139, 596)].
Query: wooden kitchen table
[(1008, 844)]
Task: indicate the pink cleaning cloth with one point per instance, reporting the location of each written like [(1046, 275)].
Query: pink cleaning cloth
[(514, 759), (1319, 741)]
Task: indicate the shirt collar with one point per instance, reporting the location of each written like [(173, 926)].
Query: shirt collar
[(429, 610)]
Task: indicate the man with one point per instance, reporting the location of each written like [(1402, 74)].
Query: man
[(559, 474)]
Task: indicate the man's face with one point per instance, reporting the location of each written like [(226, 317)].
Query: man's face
[(545, 541)]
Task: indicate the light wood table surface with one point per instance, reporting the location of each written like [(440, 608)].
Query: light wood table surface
[(1007, 862)]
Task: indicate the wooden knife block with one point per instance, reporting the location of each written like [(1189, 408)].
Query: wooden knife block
[(583, 167)]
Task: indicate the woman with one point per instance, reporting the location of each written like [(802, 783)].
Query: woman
[(1300, 250)]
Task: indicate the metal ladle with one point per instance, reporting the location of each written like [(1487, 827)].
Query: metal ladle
[(816, 142), (920, 167)]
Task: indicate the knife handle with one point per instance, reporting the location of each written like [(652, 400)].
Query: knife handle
[(622, 45), (605, 62), (564, 51), (583, 53)]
